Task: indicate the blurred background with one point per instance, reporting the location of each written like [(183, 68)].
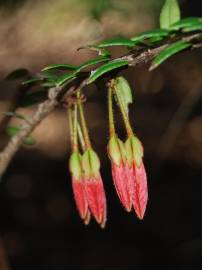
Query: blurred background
[(40, 227)]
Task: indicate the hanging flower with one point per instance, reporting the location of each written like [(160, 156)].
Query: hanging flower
[(94, 188), (78, 186), (137, 175), (116, 153)]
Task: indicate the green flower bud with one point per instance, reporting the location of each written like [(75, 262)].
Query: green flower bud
[(75, 165), (134, 151), (116, 150), (90, 163)]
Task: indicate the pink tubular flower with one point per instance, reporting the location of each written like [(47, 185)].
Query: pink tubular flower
[(137, 175), (121, 181), (78, 187), (94, 188)]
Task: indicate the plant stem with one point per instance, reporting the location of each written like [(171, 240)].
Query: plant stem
[(110, 111), (123, 112), (81, 137), (71, 132), (75, 138), (83, 123)]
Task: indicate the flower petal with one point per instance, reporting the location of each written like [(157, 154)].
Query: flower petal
[(80, 197), (141, 191), (121, 185), (96, 199)]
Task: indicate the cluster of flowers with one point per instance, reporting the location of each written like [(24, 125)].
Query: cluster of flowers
[(128, 172)]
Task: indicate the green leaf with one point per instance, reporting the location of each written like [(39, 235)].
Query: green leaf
[(194, 27), (18, 74), (32, 80), (106, 68), (92, 62), (170, 14), (116, 42), (101, 51), (168, 52), (13, 130), (184, 23), (33, 98), (65, 78), (156, 33), (124, 91), (60, 67)]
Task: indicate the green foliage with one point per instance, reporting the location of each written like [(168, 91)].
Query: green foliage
[(117, 42), (170, 14), (168, 52), (112, 65), (13, 130), (185, 23), (60, 67), (156, 33)]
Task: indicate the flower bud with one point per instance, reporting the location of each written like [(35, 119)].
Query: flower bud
[(117, 155), (78, 186), (136, 175), (94, 188)]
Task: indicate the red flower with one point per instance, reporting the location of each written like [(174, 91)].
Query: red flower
[(94, 188), (121, 181), (141, 192), (137, 176), (78, 187)]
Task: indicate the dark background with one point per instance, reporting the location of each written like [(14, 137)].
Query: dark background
[(40, 227)]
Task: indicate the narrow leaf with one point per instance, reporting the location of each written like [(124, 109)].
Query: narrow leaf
[(116, 42), (170, 13), (106, 68), (124, 91), (168, 52), (32, 80), (13, 130), (194, 27), (187, 22), (156, 33), (65, 78), (92, 62), (60, 67)]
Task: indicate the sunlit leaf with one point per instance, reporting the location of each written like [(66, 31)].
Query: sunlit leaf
[(194, 27), (13, 130), (170, 14), (184, 23), (168, 52), (106, 68), (124, 91), (116, 42), (156, 33)]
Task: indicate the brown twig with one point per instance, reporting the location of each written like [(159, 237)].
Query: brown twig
[(144, 56)]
